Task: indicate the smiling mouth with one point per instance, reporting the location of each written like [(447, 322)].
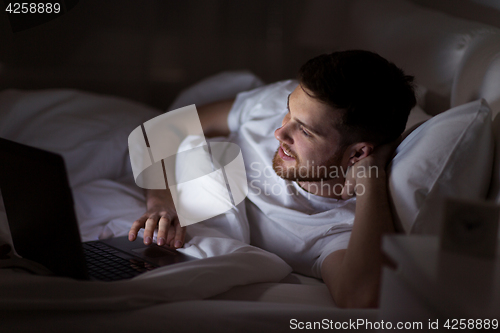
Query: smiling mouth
[(284, 154)]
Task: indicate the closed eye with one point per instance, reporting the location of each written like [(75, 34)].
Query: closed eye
[(304, 132)]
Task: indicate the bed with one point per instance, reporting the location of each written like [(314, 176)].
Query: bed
[(237, 287)]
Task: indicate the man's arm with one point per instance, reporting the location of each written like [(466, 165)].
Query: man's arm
[(160, 212), (213, 118), (353, 275)]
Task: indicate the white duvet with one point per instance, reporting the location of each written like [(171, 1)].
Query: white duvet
[(91, 132)]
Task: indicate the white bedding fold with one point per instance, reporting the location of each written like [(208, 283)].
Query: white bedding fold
[(107, 208), (185, 281)]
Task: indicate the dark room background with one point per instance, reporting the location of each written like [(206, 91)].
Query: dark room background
[(150, 50)]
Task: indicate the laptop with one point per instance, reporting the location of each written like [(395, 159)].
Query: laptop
[(42, 220)]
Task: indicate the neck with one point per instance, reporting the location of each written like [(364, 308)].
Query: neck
[(330, 188)]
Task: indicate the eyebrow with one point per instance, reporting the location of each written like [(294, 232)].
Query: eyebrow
[(300, 122)]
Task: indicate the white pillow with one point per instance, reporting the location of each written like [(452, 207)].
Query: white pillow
[(450, 155), (224, 85), (90, 131), (478, 75)]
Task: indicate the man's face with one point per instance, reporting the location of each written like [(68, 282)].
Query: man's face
[(309, 144)]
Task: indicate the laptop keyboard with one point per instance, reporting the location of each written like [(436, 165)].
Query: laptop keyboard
[(107, 264)]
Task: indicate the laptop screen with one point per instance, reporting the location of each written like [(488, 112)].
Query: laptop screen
[(39, 207)]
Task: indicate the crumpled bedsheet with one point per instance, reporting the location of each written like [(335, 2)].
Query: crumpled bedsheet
[(107, 201)]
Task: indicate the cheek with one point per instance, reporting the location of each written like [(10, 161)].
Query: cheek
[(318, 154), (305, 150)]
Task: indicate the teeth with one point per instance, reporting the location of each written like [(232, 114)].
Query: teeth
[(286, 153)]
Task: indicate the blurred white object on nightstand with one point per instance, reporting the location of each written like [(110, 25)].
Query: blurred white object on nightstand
[(430, 284)]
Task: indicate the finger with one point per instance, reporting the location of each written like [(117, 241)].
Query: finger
[(149, 229), (347, 183), (348, 190), (180, 233), (163, 226), (136, 226), (171, 236)]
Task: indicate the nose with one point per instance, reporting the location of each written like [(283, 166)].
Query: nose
[(282, 134)]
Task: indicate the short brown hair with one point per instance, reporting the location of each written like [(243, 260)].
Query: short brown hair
[(374, 95)]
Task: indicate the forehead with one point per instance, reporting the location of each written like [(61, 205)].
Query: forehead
[(312, 112)]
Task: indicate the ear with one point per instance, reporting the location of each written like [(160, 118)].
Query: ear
[(358, 151)]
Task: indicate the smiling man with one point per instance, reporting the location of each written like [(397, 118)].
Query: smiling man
[(316, 160), (298, 139)]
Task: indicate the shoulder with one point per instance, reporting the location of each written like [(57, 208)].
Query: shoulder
[(270, 93), (263, 102), (272, 96)]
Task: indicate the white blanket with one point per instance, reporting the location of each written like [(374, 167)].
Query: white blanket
[(106, 208), (90, 131), (185, 281)]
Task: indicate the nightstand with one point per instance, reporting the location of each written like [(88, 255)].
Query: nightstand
[(431, 285)]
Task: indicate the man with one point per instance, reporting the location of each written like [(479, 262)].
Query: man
[(346, 111)]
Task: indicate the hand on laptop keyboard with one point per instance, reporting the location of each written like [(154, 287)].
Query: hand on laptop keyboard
[(160, 214)]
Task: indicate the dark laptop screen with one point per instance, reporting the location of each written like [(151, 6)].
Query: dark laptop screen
[(39, 207)]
